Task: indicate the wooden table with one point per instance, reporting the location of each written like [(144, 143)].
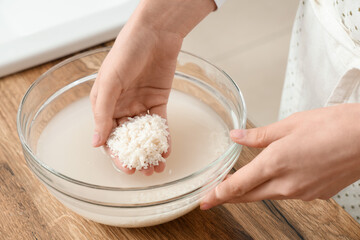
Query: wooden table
[(28, 211)]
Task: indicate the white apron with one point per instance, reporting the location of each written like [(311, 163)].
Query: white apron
[(323, 67)]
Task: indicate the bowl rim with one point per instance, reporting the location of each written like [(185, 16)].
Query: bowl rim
[(26, 147)]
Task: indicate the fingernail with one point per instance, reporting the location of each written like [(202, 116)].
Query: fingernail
[(237, 133), (205, 206), (96, 139)]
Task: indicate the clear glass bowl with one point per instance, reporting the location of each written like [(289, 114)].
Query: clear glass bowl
[(71, 80)]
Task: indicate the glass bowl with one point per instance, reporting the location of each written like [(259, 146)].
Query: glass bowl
[(71, 80)]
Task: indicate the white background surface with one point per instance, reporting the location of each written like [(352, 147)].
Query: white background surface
[(36, 31), (249, 40)]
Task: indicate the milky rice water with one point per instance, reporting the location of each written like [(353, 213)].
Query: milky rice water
[(198, 137)]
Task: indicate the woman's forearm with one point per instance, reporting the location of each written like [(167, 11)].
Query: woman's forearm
[(174, 16)]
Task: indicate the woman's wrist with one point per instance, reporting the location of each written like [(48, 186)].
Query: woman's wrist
[(177, 17)]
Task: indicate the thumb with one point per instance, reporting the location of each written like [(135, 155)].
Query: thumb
[(260, 137), (219, 195), (103, 116)]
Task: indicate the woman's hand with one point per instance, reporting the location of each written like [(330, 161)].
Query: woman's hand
[(136, 76), (309, 155)]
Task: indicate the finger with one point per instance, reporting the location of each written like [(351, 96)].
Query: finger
[(266, 191), (167, 153), (122, 120), (119, 166), (117, 163), (93, 95), (161, 111), (103, 114), (160, 168), (227, 176), (263, 136), (241, 182), (147, 172)]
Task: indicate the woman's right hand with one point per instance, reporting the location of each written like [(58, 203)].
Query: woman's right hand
[(136, 76)]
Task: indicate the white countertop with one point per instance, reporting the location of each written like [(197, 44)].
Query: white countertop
[(37, 31)]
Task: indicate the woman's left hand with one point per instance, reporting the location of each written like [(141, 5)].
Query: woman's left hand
[(309, 155)]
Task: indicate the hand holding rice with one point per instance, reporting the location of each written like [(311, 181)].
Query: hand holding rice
[(140, 142)]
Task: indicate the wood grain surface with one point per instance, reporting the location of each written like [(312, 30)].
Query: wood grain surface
[(28, 211)]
